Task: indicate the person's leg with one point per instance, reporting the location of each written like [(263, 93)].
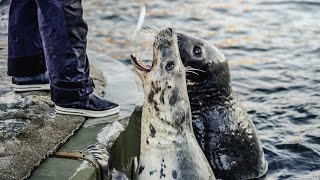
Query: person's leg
[(64, 32), (64, 42), (25, 54)]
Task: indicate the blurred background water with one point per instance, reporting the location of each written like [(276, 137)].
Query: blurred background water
[(273, 49)]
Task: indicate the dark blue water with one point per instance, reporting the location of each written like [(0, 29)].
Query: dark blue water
[(273, 48)]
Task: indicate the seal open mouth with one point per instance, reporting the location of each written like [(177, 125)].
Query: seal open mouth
[(139, 64)]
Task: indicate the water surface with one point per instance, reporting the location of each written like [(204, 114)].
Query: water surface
[(273, 48)]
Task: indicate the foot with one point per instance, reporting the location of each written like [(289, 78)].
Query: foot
[(92, 106), (31, 83)]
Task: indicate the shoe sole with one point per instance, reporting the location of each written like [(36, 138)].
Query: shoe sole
[(33, 87), (87, 113)]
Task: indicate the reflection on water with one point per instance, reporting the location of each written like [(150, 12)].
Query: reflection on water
[(273, 48)]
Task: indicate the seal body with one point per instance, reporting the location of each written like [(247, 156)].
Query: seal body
[(222, 127), (168, 147)]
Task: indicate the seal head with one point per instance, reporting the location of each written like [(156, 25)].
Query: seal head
[(199, 54)]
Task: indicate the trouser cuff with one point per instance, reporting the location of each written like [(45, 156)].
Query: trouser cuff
[(69, 95), (27, 65)]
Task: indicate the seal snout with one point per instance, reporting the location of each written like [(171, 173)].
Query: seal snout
[(168, 31), (166, 37), (165, 40)]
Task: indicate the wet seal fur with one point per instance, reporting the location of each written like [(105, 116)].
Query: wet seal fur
[(222, 127), (168, 147)]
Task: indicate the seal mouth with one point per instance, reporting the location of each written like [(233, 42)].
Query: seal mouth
[(139, 64)]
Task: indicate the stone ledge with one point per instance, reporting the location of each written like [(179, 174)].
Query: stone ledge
[(121, 88)]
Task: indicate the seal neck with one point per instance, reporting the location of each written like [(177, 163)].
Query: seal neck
[(173, 119), (212, 87)]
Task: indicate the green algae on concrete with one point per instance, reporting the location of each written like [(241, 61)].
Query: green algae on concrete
[(85, 171), (51, 168), (61, 168)]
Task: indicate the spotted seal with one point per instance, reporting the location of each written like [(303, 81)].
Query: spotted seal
[(168, 147), (222, 127)]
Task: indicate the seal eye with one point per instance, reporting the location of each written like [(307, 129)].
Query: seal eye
[(197, 50), (170, 65)]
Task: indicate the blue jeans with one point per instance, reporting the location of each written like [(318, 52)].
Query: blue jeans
[(50, 35)]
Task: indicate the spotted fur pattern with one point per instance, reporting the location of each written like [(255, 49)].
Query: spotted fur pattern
[(168, 147)]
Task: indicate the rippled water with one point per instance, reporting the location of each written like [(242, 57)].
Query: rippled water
[(273, 48)]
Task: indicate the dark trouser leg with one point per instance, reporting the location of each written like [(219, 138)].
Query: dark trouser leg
[(64, 32), (25, 54)]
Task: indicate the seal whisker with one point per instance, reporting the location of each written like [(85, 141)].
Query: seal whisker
[(194, 69), (163, 27), (153, 30), (145, 36), (188, 71), (148, 30), (157, 29)]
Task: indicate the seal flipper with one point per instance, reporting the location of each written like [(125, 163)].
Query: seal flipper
[(101, 154)]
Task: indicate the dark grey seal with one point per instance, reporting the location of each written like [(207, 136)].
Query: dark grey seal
[(222, 127)]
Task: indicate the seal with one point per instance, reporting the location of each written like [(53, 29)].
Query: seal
[(224, 130), (168, 147)]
